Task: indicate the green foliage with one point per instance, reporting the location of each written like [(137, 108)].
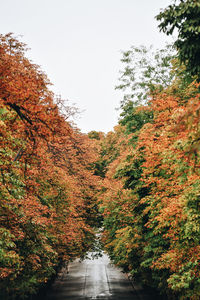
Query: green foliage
[(184, 17), (146, 72), (150, 200), (134, 119), (95, 135)]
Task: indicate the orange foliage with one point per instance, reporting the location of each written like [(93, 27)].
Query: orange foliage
[(47, 185)]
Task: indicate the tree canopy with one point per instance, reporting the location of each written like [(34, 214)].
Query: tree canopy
[(183, 17), (47, 187)]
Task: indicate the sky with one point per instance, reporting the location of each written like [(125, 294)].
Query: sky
[(78, 44)]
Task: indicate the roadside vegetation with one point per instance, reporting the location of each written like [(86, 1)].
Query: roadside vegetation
[(48, 210), (139, 183), (150, 163)]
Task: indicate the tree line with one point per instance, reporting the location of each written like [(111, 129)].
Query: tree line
[(47, 188), (140, 182), (149, 164)]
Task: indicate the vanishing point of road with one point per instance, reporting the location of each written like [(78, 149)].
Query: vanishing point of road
[(94, 279)]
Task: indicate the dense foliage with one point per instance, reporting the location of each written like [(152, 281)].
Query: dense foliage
[(150, 200), (47, 187), (183, 16), (150, 164), (145, 173)]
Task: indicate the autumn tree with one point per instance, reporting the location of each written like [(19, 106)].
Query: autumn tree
[(47, 190), (151, 185)]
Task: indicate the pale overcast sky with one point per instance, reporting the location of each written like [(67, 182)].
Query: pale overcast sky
[(78, 42)]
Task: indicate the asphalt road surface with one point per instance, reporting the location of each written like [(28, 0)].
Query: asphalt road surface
[(94, 279)]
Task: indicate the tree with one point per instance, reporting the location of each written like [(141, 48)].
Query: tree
[(134, 118), (146, 72), (47, 186), (150, 199), (184, 17)]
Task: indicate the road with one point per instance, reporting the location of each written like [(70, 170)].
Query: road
[(93, 279)]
